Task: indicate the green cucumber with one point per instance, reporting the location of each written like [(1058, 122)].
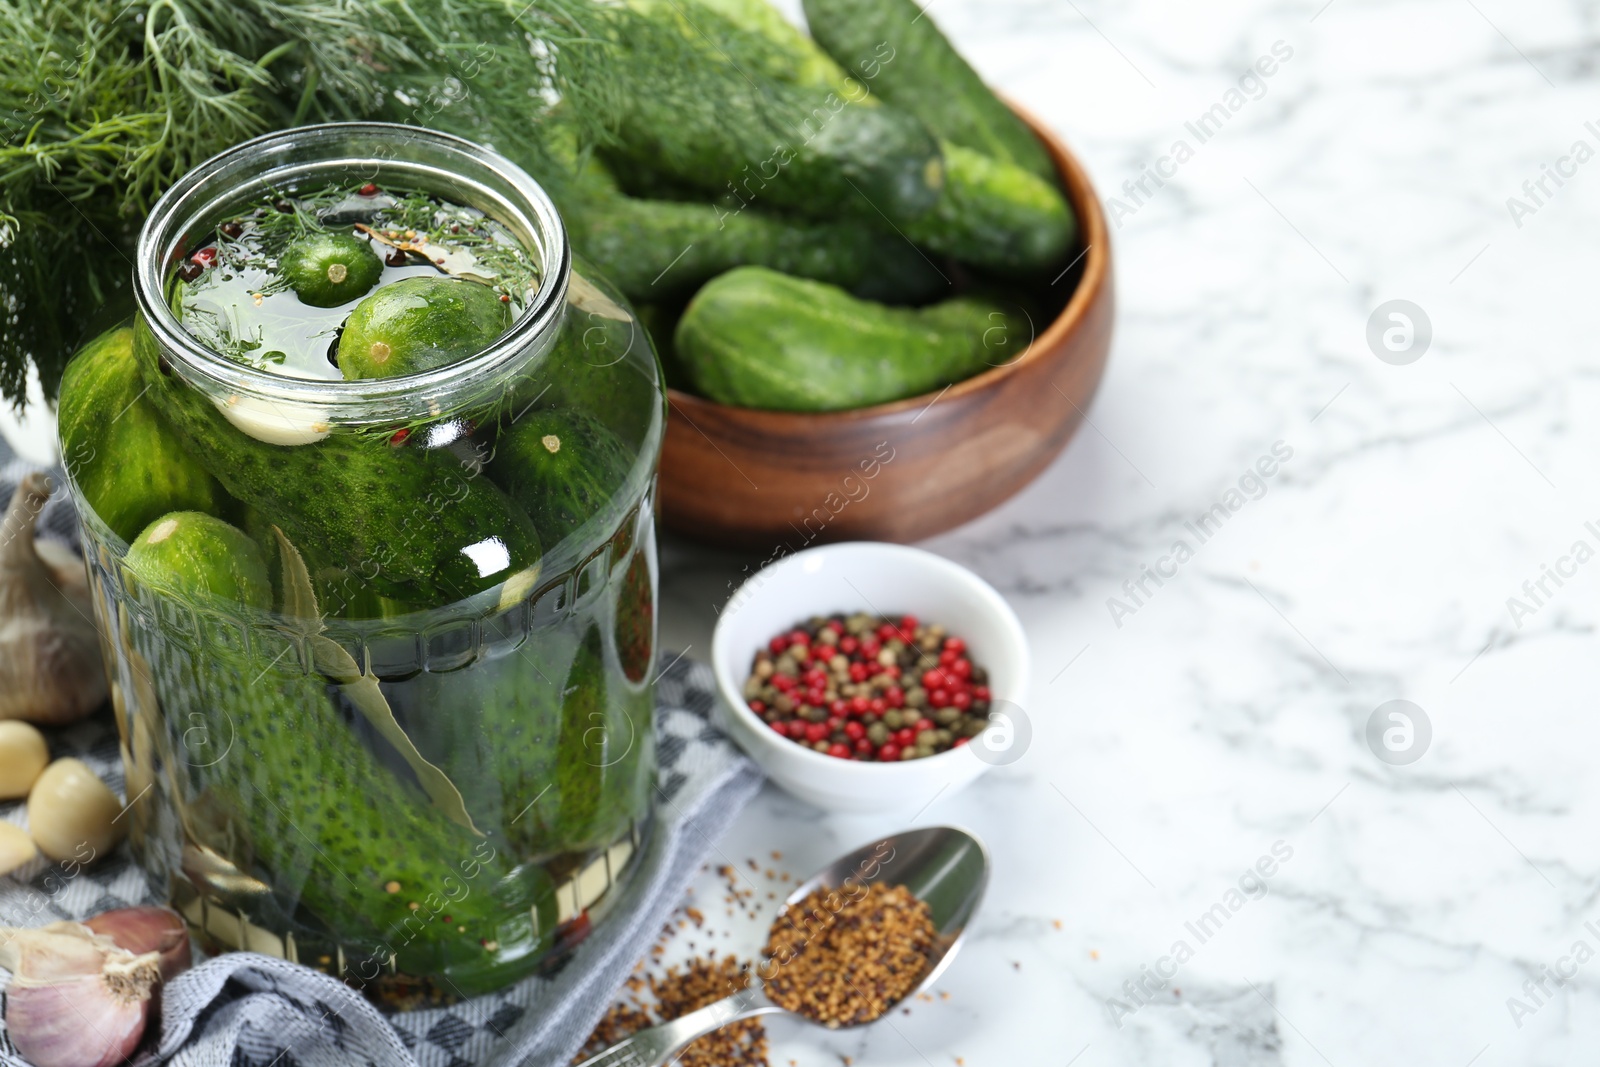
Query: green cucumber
[(329, 269), (561, 466), (804, 61), (996, 215), (694, 115), (195, 551), (128, 464), (323, 815), (418, 324), (401, 517), (605, 740), (659, 249), (595, 365), (554, 750), (759, 339), (895, 48)]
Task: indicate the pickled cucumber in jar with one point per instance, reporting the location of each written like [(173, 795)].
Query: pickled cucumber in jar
[(420, 732)]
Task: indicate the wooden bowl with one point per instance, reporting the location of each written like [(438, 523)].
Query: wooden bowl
[(905, 470)]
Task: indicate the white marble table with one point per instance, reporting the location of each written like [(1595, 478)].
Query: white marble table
[(1424, 910)]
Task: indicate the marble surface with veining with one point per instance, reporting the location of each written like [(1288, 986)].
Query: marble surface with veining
[(1435, 912)]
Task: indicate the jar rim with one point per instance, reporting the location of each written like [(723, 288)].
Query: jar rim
[(425, 394)]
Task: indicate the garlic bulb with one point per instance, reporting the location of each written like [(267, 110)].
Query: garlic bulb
[(50, 667), (75, 999), (148, 929)]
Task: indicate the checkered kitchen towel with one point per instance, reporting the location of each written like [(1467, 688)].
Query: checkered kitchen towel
[(244, 1010)]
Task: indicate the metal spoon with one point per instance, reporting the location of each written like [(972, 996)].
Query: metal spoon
[(945, 867)]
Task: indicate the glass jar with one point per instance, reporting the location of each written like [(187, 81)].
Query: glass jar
[(424, 762)]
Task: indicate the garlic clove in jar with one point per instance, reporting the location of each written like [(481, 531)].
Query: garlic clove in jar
[(72, 815), (75, 999), (23, 756), (16, 848), (50, 666)]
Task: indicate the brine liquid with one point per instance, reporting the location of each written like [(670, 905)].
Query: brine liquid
[(231, 296)]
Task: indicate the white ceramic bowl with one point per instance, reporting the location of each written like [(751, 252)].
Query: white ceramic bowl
[(881, 579)]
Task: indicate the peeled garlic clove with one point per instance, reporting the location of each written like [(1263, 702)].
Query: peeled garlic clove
[(16, 848), (75, 999), (50, 666), (147, 929), (72, 815), (23, 755)]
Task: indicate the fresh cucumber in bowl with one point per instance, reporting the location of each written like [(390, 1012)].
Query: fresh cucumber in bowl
[(696, 115), (922, 73), (756, 338), (991, 210), (996, 215), (660, 249)]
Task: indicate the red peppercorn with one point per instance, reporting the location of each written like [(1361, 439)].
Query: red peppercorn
[(854, 731), (398, 438), (835, 724), (955, 644), (781, 728), (816, 697), (905, 736), (894, 696), (863, 746), (939, 698), (839, 707), (206, 256), (909, 624), (958, 742), (924, 724), (932, 679), (946, 658), (963, 700), (817, 731), (877, 705), (860, 705), (889, 752), (858, 672), (368, 190), (839, 750), (848, 644), (799, 637), (980, 692), (758, 706), (778, 644), (784, 682), (870, 649), (835, 625), (962, 668), (892, 670), (887, 632)]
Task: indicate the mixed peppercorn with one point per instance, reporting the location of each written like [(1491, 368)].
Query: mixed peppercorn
[(863, 687)]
